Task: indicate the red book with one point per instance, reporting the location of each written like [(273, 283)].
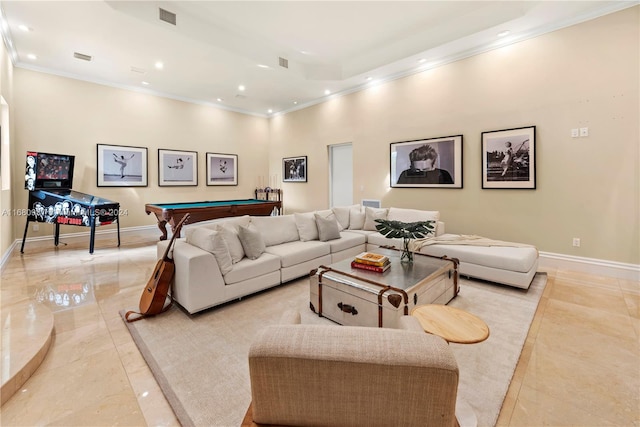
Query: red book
[(370, 267)]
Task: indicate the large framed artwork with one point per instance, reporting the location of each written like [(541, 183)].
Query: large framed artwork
[(509, 158), (177, 168), (121, 166), (427, 163), (294, 169), (222, 169)]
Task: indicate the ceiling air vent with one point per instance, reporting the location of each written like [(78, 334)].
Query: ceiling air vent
[(82, 56), (283, 62), (138, 70), (167, 16)]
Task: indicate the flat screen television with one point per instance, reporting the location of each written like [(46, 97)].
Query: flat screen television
[(46, 170)]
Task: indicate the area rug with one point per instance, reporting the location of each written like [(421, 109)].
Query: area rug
[(200, 361)]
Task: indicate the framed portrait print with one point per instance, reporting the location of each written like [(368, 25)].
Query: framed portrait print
[(294, 169), (427, 163), (222, 169), (177, 168), (509, 158), (121, 166)]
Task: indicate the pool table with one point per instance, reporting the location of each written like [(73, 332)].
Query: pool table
[(172, 213)]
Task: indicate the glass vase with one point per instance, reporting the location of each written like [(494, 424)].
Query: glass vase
[(407, 255)]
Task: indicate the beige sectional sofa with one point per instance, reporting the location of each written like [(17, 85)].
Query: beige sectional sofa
[(226, 259)]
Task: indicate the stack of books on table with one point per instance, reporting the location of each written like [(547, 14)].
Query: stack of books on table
[(372, 262)]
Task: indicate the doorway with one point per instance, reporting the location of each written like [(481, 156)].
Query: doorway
[(340, 175)]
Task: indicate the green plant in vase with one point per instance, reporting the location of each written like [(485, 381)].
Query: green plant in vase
[(406, 231)]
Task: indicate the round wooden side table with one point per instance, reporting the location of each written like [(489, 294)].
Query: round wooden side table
[(450, 323)]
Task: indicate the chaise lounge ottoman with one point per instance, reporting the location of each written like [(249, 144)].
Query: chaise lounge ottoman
[(513, 266)]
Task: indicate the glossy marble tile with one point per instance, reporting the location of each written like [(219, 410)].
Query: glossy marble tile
[(578, 366)]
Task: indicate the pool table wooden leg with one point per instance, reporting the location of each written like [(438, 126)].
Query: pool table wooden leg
[(162, 225)]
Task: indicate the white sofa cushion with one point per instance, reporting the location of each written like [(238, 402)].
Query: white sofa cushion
[(210, 241), (276, 229), (234, 221), (342, 214), (250, 268), (328, 213), (292, 253), (371, 214), (306, 225), (347, 240), (328, 228), (252, 242), (356, 218), (501, 257), (414, 215), (230, 236)]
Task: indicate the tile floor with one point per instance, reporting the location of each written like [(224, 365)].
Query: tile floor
[(579, 367)]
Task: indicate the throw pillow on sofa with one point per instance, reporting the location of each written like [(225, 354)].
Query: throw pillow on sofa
[(342, 214), (212, 242), (328, 228), (252, 242), (306, 224), (230, 237), (356, 218), (371, 214)]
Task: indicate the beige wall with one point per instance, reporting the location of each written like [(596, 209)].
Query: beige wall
[(61, 115), (6, 190), (583, 76), (586, 75)]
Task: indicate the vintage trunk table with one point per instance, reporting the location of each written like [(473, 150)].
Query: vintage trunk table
[(357, 297)]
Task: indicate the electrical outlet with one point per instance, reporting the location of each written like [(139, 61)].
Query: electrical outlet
[(584, 131), (576, 242), (36, 227)]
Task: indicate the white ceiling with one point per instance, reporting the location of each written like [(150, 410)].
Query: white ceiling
[(217, 46)]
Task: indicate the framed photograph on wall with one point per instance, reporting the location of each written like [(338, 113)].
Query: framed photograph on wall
[(427, 163), (121, 166), (509, 158), (177, 168), (294, 169), (222, 169)]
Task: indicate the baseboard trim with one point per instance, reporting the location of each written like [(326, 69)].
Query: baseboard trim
[(594, 266)]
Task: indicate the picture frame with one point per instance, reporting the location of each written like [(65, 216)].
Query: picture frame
[(222, 169), (509, 158), (121, 166), (294, 169), (177, 168), (426, 163)]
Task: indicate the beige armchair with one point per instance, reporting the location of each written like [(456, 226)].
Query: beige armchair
[(324, 375)]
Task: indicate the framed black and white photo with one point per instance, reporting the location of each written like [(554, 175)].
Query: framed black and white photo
[(222, 169), (509, 158), (294, 169), (121, 166), (427, 163), (177, 168)]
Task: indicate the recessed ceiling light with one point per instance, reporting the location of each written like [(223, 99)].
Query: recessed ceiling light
[(503, 33), (269, 111), (32, 56), (422, 61), (241, 88), (327, 92), (263, 66), (159, 65), (295, 102), (145, 83), (24, 28), (304, 52), (369, 78), (220, 99)]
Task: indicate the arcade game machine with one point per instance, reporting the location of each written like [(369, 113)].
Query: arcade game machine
[(49, 178)]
